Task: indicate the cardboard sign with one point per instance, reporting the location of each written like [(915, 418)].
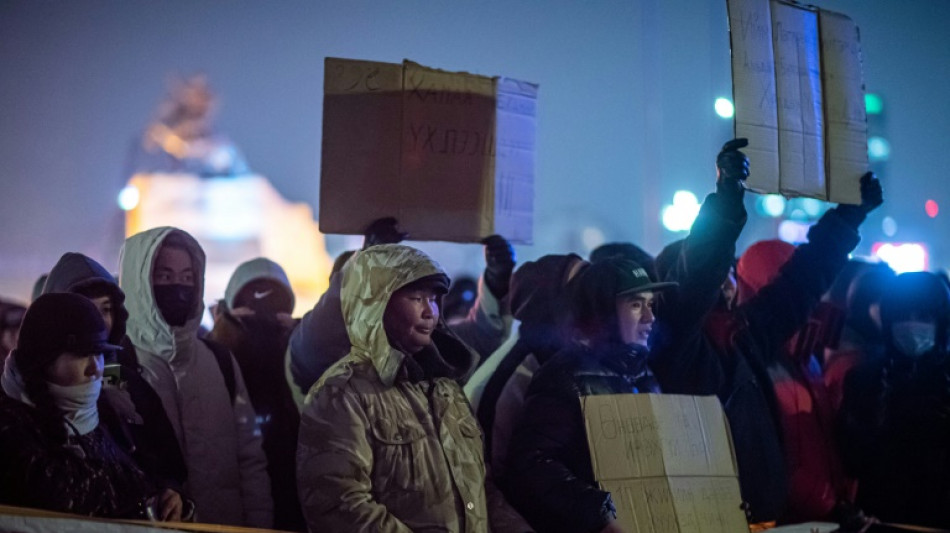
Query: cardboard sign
[(799, 99), (667, 461), (449, 154)]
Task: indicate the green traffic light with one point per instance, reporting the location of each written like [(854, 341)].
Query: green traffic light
[(873, 104)]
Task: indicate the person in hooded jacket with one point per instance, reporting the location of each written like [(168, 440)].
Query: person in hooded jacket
[(388, 441), (254, 321), (54, 453), (549, 476), (539, 300), (320, 340), (894, 423), (861, 337), (162, 274), (128, 405)]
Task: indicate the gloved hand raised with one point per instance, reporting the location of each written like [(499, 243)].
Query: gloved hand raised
[(732, 167), (872, 196), (383, 231), (499, 264)]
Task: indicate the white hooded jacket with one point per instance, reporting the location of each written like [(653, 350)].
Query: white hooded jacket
[(227, 469)]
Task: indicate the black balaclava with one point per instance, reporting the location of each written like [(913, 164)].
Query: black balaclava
[(175, 302)]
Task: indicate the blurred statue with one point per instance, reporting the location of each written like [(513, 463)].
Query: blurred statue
[(182, 139)]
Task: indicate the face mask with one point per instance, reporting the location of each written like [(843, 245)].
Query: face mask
[(175, 302), (913, 338)]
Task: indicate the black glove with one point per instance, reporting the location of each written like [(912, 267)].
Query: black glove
[(499, 263), (383, 231), (732, 167), (872, 196)]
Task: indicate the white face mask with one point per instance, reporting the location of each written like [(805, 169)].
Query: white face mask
[(913, 338)]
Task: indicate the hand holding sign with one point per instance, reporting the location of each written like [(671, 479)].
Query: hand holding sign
[(732, 168), (872, 195), (499, 263)]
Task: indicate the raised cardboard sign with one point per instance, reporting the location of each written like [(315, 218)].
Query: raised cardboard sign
[(799, 98), (667, 461), (449, 154)]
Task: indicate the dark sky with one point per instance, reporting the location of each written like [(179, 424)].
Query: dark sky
[(625, 113)]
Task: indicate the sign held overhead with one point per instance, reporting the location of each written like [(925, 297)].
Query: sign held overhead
[(450, 155), (799, 99)]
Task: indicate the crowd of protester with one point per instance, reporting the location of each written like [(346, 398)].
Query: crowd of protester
[(833, 374)]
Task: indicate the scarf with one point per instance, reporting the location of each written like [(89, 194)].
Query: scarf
[(76, 402)]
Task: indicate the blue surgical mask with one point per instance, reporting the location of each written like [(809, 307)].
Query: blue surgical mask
[(913, 338)]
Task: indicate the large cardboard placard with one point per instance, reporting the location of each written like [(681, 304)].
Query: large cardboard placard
[(799, 98), (449, 154), (667, 461)]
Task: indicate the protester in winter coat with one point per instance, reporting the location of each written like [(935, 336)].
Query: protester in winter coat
[(779, 412), (254, 322), (550, 479), (388, 441), (895, 417), (54, 454), (320, 340), (540, 302), (129, 407), (861, 337), (684, 356), (162, 274)]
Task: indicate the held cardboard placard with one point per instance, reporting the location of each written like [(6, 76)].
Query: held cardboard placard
[(449, 154), (667, 461), (799, 99)]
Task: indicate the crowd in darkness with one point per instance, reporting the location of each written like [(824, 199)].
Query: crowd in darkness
[(833, 374)]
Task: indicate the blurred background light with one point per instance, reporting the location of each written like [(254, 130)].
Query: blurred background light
[(902, 257), (680, 215), (128, 198), (889, 226), (932, 208), (879, 149), (724, 108)]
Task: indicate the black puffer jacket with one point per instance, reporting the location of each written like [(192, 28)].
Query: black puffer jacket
[(130, 410), (551, 480), (88, 475)]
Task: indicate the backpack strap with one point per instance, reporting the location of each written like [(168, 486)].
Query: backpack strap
[(223, 355)]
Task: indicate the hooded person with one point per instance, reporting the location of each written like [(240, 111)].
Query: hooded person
[(54, 454), (539, 300), (861, 337), (320, 340), (549, 476), (128, 405), (895, 417), (254, 322), (162, 274), (388, 441)]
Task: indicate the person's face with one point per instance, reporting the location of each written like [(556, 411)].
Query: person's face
[(635, 317), (173, 267), (72, 368), (104, 305), (411, 317)]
